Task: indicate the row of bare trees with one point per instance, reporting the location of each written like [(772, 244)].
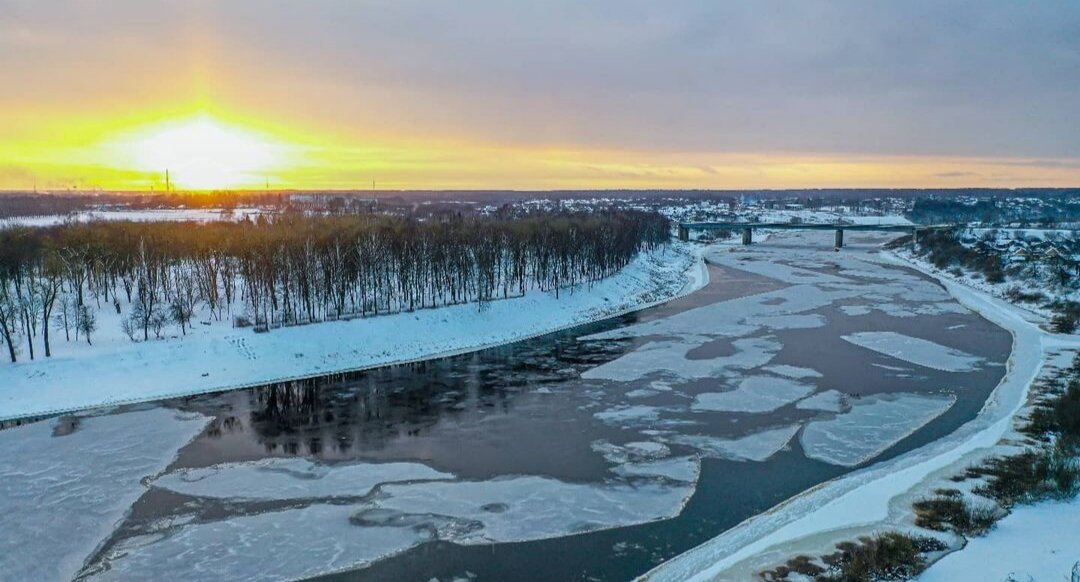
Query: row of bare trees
[(292, 270)]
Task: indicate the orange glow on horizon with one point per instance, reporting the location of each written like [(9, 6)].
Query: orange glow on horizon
[(206, 149)]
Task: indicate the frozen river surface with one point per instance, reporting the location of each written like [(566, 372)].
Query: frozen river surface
[(593, 453)]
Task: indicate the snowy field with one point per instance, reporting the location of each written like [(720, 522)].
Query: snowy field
[(879, 497), (1032, 543), (165, 215), (214, 356)]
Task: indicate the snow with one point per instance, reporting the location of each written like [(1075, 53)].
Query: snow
[(217, 357), (291, 478), (163, 215), (915, 351), (876, 497), (754, 394), (758, 446), (66, 494), (872, 426), (1036, 542)]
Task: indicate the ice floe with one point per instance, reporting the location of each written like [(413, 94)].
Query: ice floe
[(524, 508), (62, 496), (322, 538), (827, 401), (793, 371), (677, 469), (915, 350), (628, 414), (291, 478), (855, 309), (872, 426), (754, 394), (280, 545), (670, 357), (758, 446), (635, 451)]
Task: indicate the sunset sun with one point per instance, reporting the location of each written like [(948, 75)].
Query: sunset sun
[(203, 153)]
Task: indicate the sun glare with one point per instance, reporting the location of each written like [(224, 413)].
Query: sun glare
[(202, 153)]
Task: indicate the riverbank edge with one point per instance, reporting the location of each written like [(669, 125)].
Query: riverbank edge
[(695, 276), (879, 497)]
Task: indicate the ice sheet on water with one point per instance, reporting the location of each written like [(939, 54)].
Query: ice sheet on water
[(758, 446), (775, 322), (754, 394), (641, 393), (530, 507), (855, 309), (291, 478), (296, 543), (916, 350), (670, 357), (635, 451), (827, 401), (677, 469), (737, 317), (628, 414), (61, 496), (793, 371), (872, 426), (782, 271), (281, 545)]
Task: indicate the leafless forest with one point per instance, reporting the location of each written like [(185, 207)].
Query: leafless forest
[(293, 270)]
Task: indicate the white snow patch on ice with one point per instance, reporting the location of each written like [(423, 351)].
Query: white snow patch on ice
[(915, 350), (61, 496)]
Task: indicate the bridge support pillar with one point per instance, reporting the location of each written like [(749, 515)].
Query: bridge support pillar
[(747, 236), (684, 233), (839, 237), (915, 236)]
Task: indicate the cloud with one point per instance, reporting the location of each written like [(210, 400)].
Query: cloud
[(955, 174), (993, 78)]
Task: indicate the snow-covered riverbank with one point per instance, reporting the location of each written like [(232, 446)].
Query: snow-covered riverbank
[(879, 497), (222, 358)]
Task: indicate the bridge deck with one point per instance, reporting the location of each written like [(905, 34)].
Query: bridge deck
[(812, 226)]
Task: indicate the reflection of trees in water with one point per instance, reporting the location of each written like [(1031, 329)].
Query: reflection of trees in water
[(331, 416)]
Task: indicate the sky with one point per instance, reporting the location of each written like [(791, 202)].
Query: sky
[(535, 95)]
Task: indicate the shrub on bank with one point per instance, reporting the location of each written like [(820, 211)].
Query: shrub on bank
[(887, 556), (949, 511)]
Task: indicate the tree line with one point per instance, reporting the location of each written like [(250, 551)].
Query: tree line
[(294, 269)]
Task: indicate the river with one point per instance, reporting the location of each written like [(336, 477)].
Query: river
[(593, 453)]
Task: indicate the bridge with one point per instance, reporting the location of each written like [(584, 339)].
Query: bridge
[(748, 228)]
